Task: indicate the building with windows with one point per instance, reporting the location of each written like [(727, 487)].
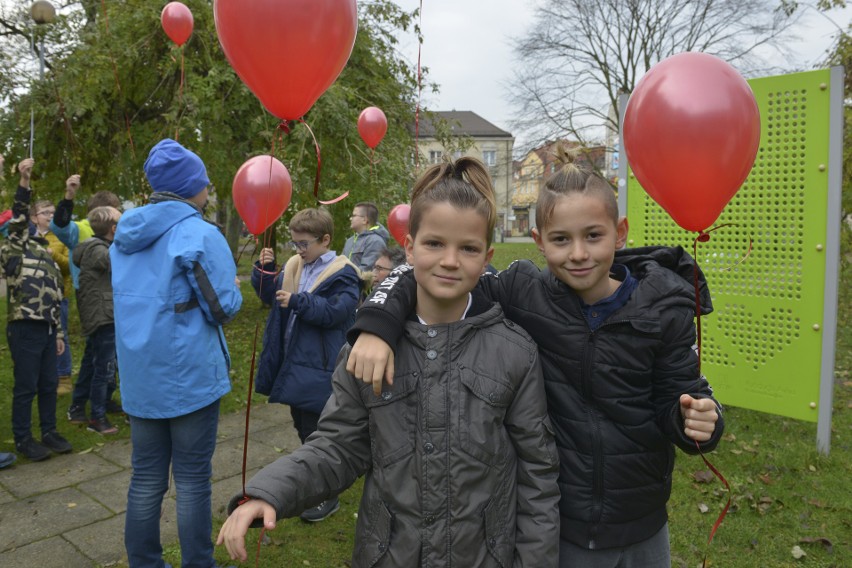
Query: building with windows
[(532, 172), (489, 143)]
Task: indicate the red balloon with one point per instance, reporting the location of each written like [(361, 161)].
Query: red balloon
[(177, 22), (691, 134), (372, 125), (398, 222), (262, 191), (288, 52)]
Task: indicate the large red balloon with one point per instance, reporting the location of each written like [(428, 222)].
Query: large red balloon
[(177, 22), (262, 191), (691, 133), (372, 125), (398, 222), (288, 52)]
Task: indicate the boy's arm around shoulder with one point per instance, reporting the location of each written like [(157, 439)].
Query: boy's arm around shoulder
[(531, 432), (331, 459), (385, 310), (676, 372)]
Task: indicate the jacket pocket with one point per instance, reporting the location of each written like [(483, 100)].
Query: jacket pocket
[(393, 418), (499, 537), (373, 537), (482, 408)]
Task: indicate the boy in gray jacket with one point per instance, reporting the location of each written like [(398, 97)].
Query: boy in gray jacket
[(94, 302), (458, 452)]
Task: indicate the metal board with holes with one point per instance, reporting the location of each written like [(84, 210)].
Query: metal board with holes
[(769, 345)]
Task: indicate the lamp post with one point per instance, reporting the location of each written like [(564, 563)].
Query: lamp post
[(42, 12)]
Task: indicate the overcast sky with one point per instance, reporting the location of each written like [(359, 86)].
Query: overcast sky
[(466, 47)]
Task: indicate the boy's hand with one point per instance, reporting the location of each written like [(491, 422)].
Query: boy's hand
[(371, 360), (25, 168), (233, 532), (699, 417), (267, 256), (60, 346), (72, 184), (283, 298)]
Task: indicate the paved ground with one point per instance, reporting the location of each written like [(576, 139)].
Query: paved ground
[(68, 511)]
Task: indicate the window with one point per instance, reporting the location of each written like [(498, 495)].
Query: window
[(435, 156), (489, 157)]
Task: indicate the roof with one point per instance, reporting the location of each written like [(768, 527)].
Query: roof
[(462, 122)]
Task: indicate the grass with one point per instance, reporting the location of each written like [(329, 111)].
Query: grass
[(784, 494)]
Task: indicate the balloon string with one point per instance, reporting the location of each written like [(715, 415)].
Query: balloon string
[(704, 236), (69, 133), (727, 506), (419, 87), (180, 95), (319, 166), (117, 82)]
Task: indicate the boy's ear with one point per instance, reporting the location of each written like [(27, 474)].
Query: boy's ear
[(621, 229), (326, 240), (537, 238), (409, 249)]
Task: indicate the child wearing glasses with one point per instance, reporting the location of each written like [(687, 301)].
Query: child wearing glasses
[(313, 302)]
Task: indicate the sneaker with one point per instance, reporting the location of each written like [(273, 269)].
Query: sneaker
[(7, 459), (77, 415), (32, 450), (113, 407), (101, 426), (321, 512), (56, 443)]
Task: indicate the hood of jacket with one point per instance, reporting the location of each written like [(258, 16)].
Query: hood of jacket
[(139, 228)]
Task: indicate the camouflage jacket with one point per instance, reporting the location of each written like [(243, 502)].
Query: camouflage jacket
[(33, 277)]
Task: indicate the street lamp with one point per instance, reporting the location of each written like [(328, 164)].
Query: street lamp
[(42, 12)]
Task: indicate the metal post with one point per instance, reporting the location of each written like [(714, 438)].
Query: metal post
[(42, 12)]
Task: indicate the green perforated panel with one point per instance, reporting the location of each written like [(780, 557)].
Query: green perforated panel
[(761, 348)]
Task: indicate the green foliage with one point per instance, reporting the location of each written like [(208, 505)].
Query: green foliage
[(115, 91)]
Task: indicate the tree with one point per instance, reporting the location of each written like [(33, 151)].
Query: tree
[(580, 55), (116, 88)]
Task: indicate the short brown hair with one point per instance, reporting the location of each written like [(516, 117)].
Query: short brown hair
[(103, 199), (573, 178), (39, 205), (371, 212), (102, 219), (313, 221)]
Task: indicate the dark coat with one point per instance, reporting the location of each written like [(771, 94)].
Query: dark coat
[(299, 374), (613, 394), (458, 453), (94, 296)]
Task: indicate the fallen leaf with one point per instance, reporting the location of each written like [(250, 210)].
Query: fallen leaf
[(798, 553), (72, 505), (704, 476), (812, 468), (766, 479), (736, 452), (818, 540), (277, 449), (729, 437), (86, 451), (703, 508)]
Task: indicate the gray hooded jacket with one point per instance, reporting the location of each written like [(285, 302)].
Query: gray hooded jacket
[(458, 453)]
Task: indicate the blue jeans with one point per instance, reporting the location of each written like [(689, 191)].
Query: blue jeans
[(63, 362), (103, 363), (32, 345), (83, 385), (187, 442), (653, 552)]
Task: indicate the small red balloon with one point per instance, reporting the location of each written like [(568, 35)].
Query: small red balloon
[(287, 52), (372, 125), (691, 134), (177, 22), (261, 191), (398, 222)]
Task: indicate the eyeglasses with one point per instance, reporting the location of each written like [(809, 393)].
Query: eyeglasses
[(380, 267), (356, 215), (301, 245), (46, 213)]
